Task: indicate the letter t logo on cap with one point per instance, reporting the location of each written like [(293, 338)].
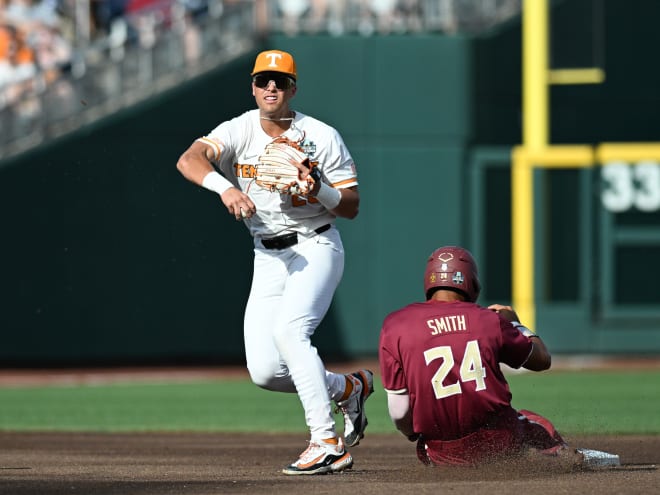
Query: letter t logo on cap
[(275, 61), (274, 57)]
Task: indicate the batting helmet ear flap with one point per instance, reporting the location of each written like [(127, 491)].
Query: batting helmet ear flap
[(452, 268)]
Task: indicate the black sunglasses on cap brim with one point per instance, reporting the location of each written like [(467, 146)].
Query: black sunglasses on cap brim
[(282, 81)]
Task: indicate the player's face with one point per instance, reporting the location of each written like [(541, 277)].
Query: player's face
[(272, 92)]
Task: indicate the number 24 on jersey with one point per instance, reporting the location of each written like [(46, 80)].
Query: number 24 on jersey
[(471, 369)]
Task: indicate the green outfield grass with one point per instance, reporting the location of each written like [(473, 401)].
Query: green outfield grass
[(585, 402)]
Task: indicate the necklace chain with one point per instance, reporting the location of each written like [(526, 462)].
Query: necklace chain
[(277, 120), (281, 119)]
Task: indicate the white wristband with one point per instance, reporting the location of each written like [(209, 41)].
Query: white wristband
[(523, 329), (328, 196), (216, 182)]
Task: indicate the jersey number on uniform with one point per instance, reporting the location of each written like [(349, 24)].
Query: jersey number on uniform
[(471, 369)]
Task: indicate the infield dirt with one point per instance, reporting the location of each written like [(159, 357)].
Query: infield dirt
[(221, 463), (49, 463)]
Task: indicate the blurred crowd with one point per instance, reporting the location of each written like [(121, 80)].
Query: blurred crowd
[(368, 17), (34, 48), (46, 45), (41, 41)]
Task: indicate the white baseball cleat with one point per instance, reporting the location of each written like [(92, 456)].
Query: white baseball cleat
[(325, 456), (355, 418)]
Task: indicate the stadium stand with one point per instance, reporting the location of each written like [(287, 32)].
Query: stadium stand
[(65, 63)]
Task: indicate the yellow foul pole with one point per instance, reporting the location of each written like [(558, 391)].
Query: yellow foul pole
[(535, 74), (535, 140)]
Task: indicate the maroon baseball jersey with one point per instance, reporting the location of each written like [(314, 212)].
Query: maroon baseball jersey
[(446, 356)]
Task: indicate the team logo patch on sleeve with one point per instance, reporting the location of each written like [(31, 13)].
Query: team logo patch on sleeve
[(309, 147)]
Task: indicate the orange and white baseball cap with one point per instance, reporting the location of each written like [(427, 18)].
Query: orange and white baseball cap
[(275, 61)]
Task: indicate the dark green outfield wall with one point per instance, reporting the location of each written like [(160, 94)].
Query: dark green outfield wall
[(597, 273), (108, 255), (400, 104)]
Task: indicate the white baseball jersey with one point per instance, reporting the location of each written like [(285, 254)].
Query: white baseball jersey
[(239, 142)]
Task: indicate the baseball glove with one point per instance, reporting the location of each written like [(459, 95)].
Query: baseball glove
[(276, 170)]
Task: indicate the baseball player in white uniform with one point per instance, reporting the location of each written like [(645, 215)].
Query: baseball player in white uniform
[(298, 255)]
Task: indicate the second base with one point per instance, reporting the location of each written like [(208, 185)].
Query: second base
[(599, 459)]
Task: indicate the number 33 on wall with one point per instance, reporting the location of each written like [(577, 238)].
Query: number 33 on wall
[(628, 186)]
